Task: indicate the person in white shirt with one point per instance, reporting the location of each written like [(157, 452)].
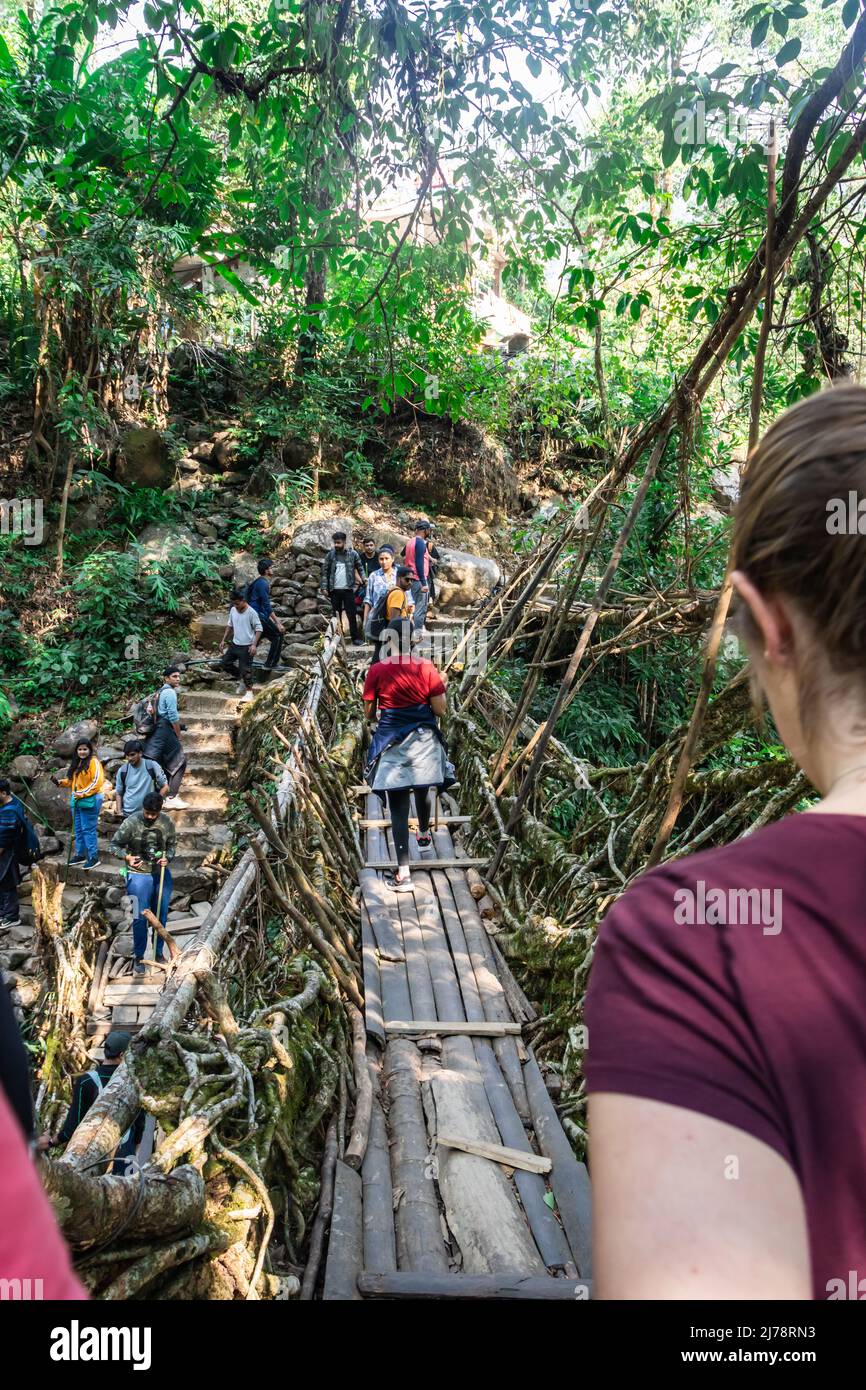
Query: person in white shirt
[(239, 642)]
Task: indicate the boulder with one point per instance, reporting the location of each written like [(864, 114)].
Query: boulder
[(314, 537), (188, 465), (462, 579), (25, 765), (207, 629), (159, 543), (201, 451), (205, 528), (52, 802), (306, 605), (65, 742), (144, 459), (244, 568)]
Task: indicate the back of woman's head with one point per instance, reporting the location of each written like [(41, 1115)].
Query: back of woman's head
[(796, 531)]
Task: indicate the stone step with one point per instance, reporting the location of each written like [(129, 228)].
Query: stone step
[(106, 875), (205, 803), (202, 772), (209, 702), (208, 740)]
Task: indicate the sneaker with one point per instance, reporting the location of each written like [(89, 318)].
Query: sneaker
[(175, 803), (240, 688), (357, 642), (398, 885), (78, 859), (424, 839), (139, 968), (7, 922), (245, 699), (91, 864)]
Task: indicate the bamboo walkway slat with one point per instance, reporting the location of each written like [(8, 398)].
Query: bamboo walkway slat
[(436, 1220)]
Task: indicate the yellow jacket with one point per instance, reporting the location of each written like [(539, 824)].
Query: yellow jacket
[(90, 782)]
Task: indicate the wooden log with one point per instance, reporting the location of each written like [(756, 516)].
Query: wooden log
[(372, 823), (457, 1051), (323, 1214), (450, 862), (497, 1153), (490, 988), (480, 1200), (569, 1180), (518, 1003), (491, 1287), (346, 1241), (380, 1247), (417, 965), (476, 883), (485, 1029), (472, 1003), (357, 1145), (373, 891), (546, 1230), (373, 1017), (418, 1230)]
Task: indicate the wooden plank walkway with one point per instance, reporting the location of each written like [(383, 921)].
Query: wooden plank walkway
[(430, 1220)]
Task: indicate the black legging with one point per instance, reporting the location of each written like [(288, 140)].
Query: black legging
[(398, 805)]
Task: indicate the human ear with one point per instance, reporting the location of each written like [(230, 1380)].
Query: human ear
[(770, 617)]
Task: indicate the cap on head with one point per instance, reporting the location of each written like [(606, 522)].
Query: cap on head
[(116, 1043), (422, 525)]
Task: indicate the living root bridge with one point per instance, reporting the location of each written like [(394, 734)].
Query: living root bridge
[(248, 1050)]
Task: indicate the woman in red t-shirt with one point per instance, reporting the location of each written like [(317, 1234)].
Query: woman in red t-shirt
[(726, 1030), (407, 753)]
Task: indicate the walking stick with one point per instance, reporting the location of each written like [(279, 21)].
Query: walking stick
[(159, 903), (71, 842)]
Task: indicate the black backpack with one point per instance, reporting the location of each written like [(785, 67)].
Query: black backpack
[(26, 848), (144, 714), (378, 620)]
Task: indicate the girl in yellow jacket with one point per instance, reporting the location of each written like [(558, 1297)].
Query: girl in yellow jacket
[(87, 781)]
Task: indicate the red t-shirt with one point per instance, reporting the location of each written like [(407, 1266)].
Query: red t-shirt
[(408, 680), (761, 1024), (31, 1246)]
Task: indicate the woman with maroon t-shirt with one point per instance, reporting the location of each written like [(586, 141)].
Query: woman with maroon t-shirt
[(726, 1023), (407, 753)]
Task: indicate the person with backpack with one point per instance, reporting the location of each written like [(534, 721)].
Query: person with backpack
[(388, 596), (89, 1088), (341, 574), (147, 842), (407, 753), (259, 598), (137, 777), (418, 561), (86, 781), (239, 642), (161, 722), (369, 557), (11, 812)]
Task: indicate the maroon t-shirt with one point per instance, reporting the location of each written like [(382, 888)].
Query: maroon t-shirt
[(733, 983), (403, 681)]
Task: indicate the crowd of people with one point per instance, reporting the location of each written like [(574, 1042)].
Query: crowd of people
[(727, 1147)]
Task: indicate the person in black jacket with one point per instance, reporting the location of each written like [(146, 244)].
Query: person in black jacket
[(87, 1088), (341, 575), (10, 873)]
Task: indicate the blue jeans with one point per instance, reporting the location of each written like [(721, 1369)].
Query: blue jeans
[(84, 820), (421, 601), (145, 887)]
